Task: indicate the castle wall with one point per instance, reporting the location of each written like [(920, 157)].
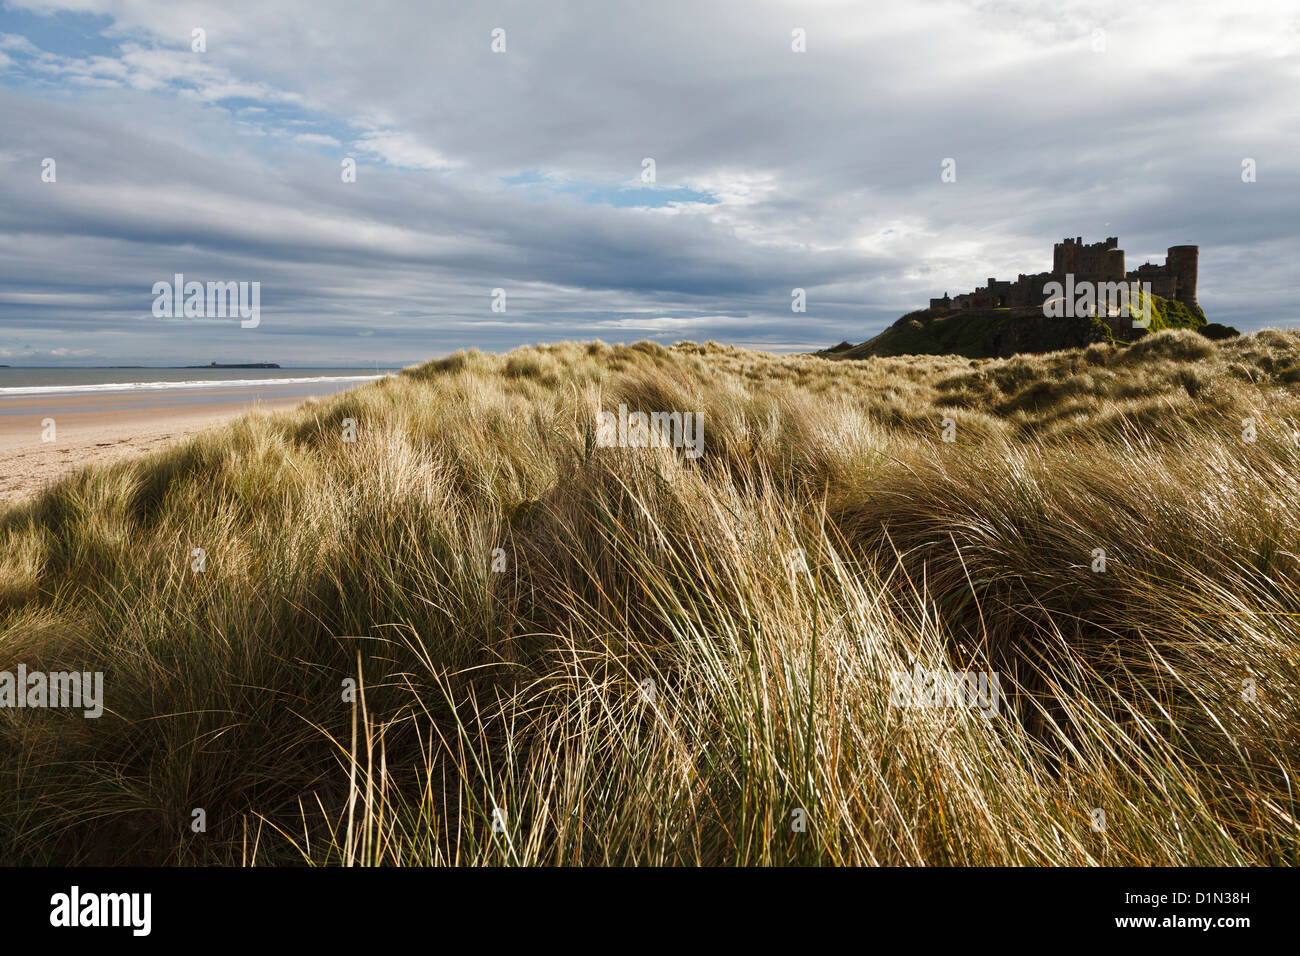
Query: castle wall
[(1098, 262), (1163, 283)]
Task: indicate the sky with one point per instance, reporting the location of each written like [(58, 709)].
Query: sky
[(221, 156)]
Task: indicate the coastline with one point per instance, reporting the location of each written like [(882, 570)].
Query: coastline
[(108, 426)]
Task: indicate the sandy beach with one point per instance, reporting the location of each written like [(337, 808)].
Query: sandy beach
[(91, 429)]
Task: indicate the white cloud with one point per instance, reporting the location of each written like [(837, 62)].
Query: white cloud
[(316, 139), (402, 149)]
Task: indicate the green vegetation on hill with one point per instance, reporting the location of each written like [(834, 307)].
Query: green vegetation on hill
[(979, 333), (574, 654), (1171, 314), (1218, 332), (990, 333)]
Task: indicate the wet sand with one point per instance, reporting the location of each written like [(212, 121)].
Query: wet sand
[(93, 429)]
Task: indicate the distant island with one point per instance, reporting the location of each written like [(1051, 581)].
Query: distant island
[(235, 365)]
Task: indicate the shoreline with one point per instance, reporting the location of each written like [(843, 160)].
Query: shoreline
[(106, 427)]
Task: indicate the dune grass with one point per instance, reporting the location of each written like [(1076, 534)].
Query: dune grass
[(571, 654)]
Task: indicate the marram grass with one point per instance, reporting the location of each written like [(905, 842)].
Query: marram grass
[(654, 677)]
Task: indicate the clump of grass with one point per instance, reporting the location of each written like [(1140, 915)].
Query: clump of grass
[(473, 636)]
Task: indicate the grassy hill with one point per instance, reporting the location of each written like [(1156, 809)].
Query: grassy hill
[(990, 333), (679, 656)]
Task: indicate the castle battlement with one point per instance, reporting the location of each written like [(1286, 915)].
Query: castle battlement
[(1097, 262)]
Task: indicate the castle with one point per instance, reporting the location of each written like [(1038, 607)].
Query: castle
[(1099, 262)]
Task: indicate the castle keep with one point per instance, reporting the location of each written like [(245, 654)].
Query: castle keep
[(1099, 262)]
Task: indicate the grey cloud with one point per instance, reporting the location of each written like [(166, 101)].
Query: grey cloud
[(826, 165)]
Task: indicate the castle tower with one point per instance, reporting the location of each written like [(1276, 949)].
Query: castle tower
[(1065, 256), (1114, 270), (1182, 265)]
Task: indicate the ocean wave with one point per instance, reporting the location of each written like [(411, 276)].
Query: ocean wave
[(189, 383)]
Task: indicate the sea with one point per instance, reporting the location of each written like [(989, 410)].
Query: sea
[(124, 389), (287, 382)]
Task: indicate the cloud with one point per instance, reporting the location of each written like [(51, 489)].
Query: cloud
[(316, 139), (402, 149), (521, 170)]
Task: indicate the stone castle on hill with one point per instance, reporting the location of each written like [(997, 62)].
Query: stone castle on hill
[(1097, 263)]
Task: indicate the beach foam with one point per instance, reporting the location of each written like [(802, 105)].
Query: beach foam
[(188, 384)]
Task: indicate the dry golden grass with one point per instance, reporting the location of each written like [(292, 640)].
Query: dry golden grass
[(653, 678)]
